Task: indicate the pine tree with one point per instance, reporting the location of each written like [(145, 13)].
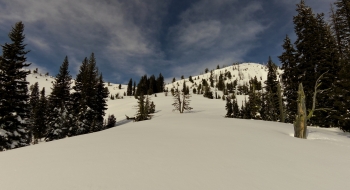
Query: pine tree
[(142, 108), (33, 102), (341, 30), (100, 104), (129, 89), (152, 108), (289, 78), (134, 89), (160, 83), (111, 121), (317, 53), (60, 105), (34, 97), (271, 92), (229, 108), (177, 101), (208, 93), (221, 83), (39, 118), (328, 66), (181, 101), (235, 109), (14, 105), (186, 102)]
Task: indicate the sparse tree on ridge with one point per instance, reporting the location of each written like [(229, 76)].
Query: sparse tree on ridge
[(129, 89)]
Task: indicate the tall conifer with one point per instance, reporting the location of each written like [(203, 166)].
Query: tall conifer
[(14, 105)]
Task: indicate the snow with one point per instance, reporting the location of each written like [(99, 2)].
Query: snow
[(195, 150)]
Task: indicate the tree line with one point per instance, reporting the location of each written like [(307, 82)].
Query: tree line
[(27, 117), (321, 49)]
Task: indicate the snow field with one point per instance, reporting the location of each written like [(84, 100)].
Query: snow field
[(194, 150)]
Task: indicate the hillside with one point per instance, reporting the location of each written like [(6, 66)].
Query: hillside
[(196, 150)]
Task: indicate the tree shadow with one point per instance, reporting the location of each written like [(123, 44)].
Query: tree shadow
[(194, 111), (345, 134), (122, 122)]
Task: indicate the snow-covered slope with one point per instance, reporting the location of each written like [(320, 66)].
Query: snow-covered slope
[(196, 150)]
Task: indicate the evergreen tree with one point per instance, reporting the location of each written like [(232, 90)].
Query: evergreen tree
[(254, 103), (316, 54), (235, 109), (134, 89), (327, 65), (34, 97), (152, 108), (129, 89), (341, 30), (39, 118), (181, 101), (100, 104), (221, 83), (177, 101), (208, 93), (14, 105), (33, 102), (111, 121), (271, 92), (60, 104), (160, 83), (142, 108), (229, 108), (289, 78)]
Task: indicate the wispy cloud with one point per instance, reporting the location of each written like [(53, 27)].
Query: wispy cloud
[(205, 38), (116, 29)]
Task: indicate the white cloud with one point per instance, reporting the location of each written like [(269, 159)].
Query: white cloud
[(115, 29)]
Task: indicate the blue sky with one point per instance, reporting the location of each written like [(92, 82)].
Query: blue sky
[(131, 38)]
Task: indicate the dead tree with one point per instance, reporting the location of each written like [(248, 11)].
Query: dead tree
[(300, 123)]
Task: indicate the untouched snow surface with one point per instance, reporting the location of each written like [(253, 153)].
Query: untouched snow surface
[(195, 150)]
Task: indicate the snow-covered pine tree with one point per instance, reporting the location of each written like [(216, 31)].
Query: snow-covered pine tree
[(14, 105), (60, 105)]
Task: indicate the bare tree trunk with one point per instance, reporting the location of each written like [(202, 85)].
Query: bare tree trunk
[(300, 126), (300, 123)]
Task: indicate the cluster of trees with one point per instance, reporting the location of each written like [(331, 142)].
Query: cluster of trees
[(146, 85), (145, 108), (321, 49), (262, 103), (26, 118)]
